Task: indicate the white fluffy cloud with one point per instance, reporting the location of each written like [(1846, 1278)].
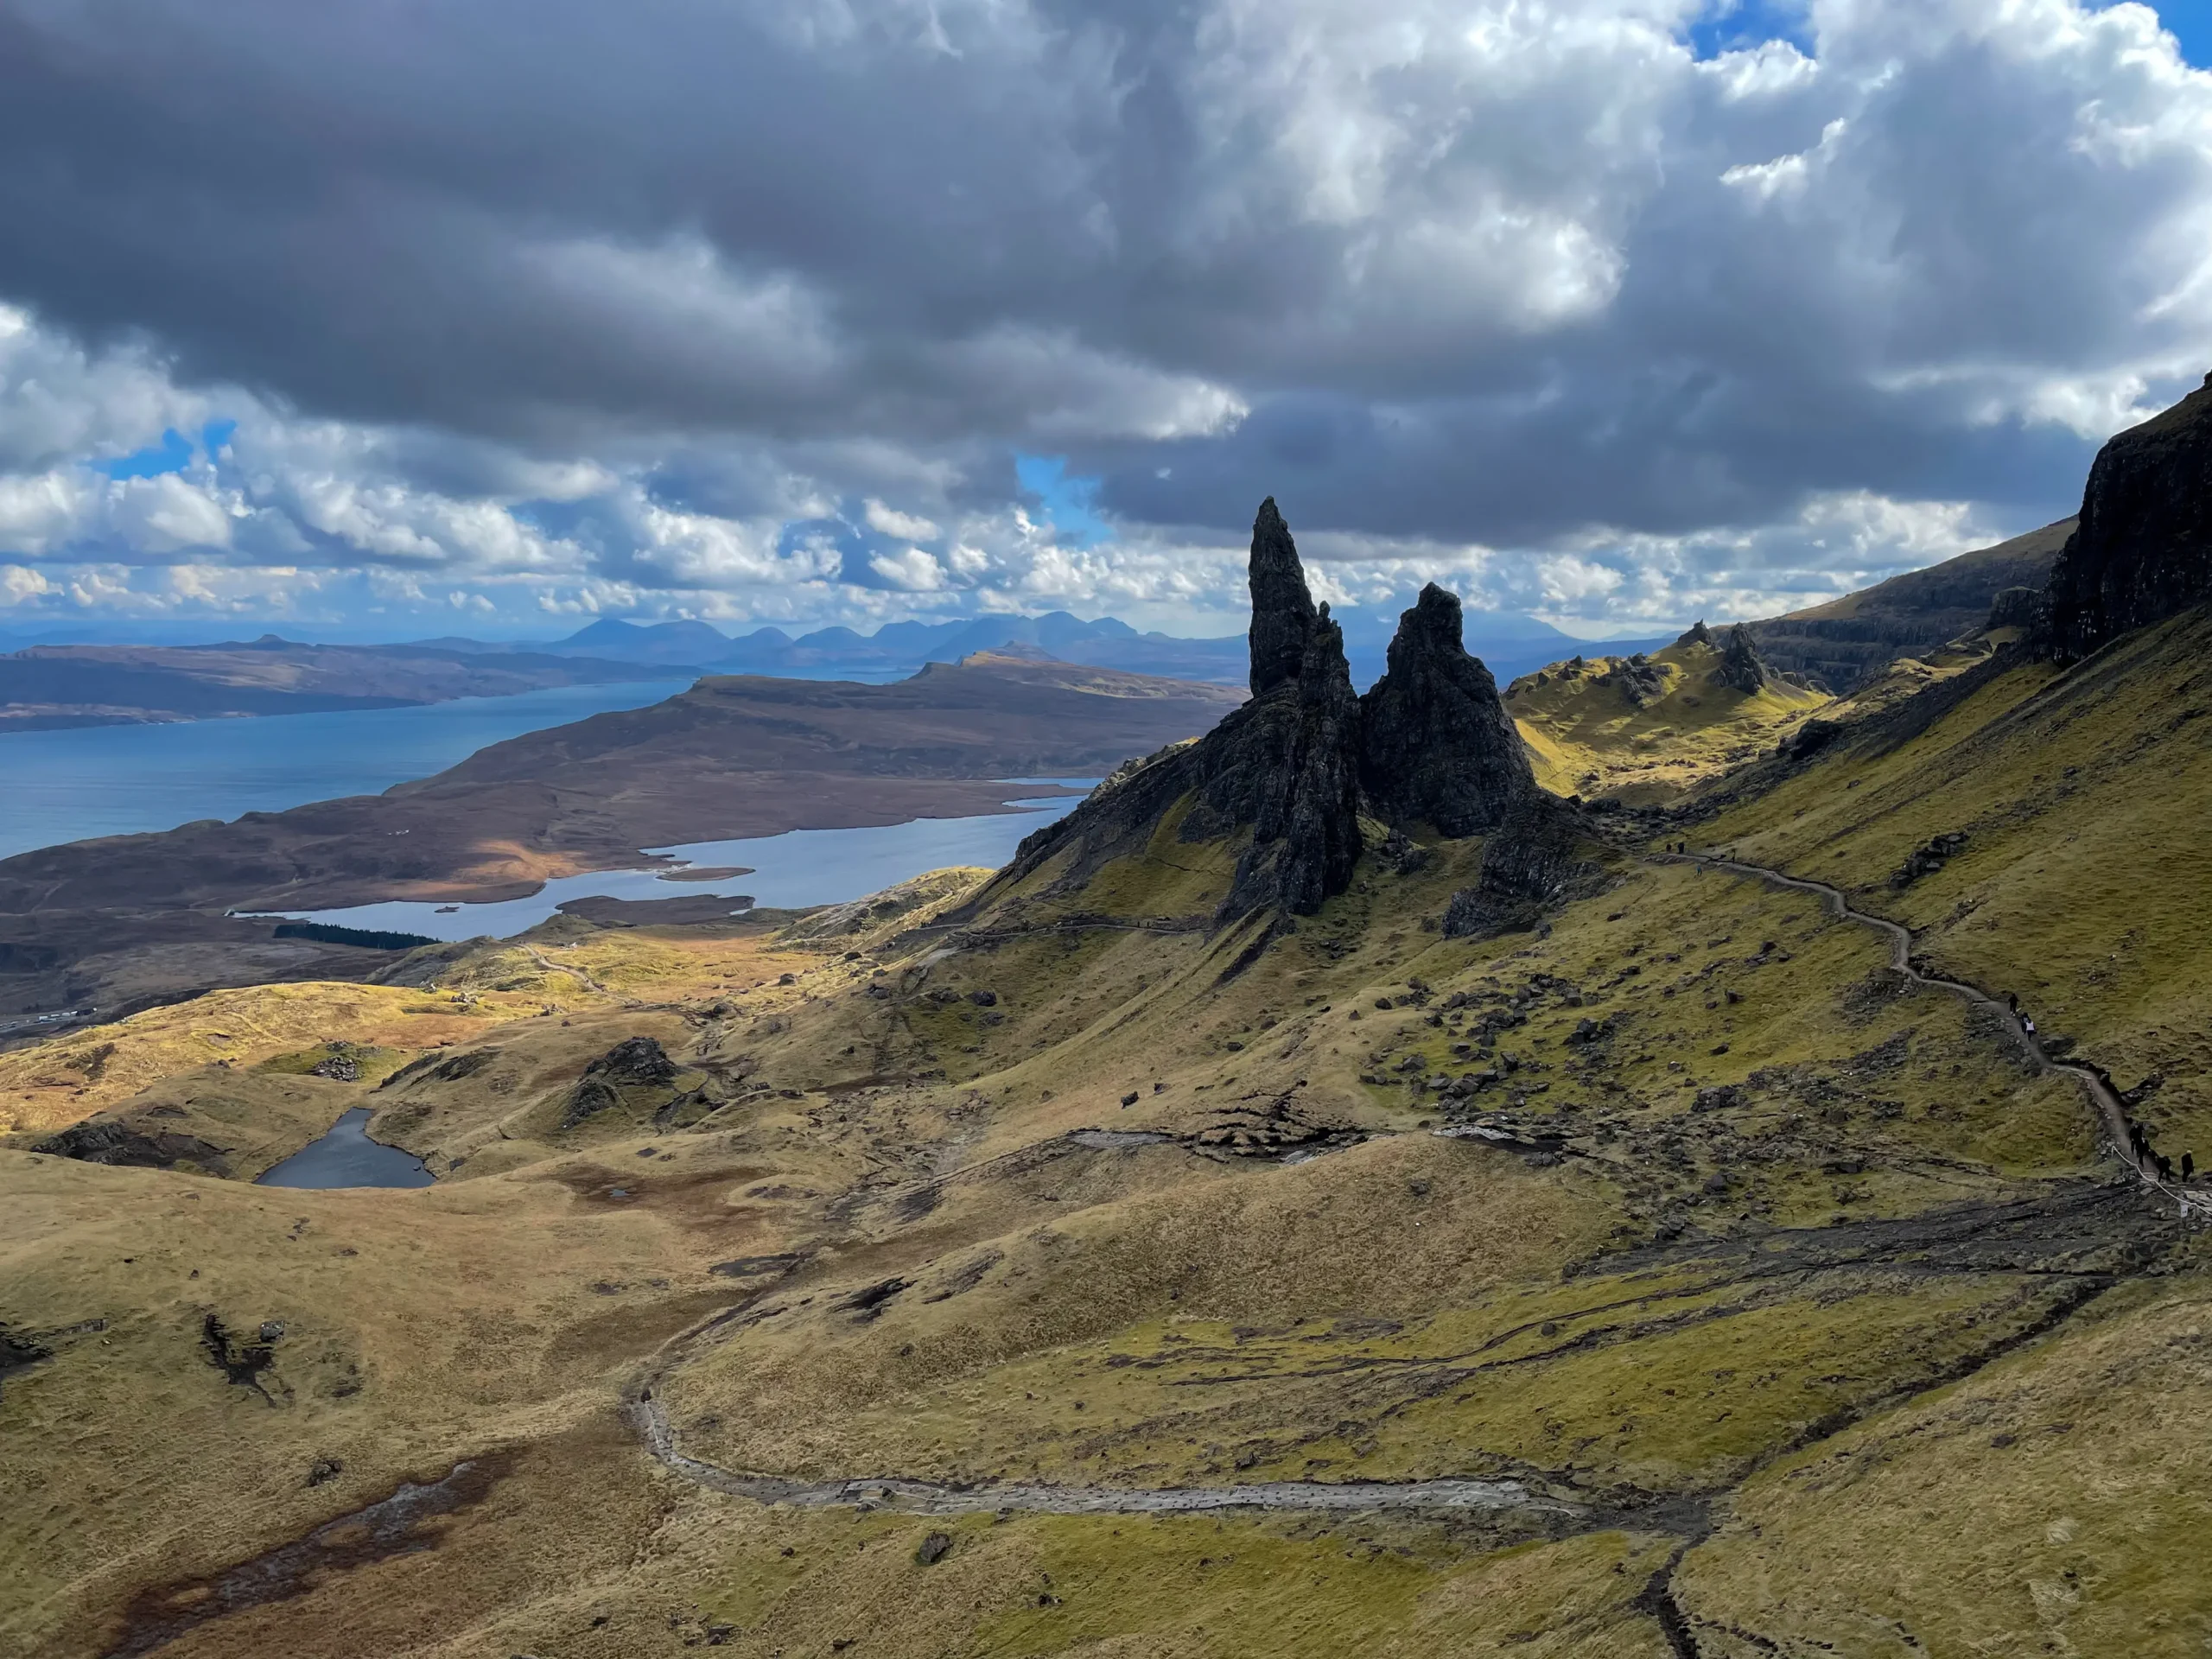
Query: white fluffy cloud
[(1532, 298)]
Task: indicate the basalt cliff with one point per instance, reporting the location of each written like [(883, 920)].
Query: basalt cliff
[(1430, 749), (2142, 551)]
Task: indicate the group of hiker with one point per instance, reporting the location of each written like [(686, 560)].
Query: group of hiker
[(2147, 1157)]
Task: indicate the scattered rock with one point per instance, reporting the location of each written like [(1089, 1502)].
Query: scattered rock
[(1929, 857), (934, 1548), (324, 1471)]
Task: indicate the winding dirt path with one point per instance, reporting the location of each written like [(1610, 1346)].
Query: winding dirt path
[(1501, 1497), (2190, 1201)]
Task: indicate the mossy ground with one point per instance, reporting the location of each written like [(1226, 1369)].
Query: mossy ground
[(1587, 735), (2085, 883), (1752, 1252)]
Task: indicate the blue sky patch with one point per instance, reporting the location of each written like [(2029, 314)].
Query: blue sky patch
[(2189, 21), (1735, 25), (172, 455), (1070, 503)]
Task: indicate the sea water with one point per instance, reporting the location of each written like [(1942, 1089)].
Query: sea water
[(798, 868), (118, 780)]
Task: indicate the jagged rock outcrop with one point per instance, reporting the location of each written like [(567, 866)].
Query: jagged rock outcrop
[(1637, 678), (635, 1063), (1741, 668), (1532, 862), (1286, 765), (2143, 549), (2018, 607), (1436, 744), (113, 1141), (1697, 634)]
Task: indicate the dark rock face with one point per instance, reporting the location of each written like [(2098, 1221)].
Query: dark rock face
[(635, 1061), (1697, 634), (1298, 763), (109, 1140), (1286, 765), (1740, 667), (2018, 607), (1283, 615), (1436, 744), (1291, 770), (1532, 861), (2143, 550)]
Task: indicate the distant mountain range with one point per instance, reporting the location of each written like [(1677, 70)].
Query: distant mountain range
[(1511, 645), (52, 686)]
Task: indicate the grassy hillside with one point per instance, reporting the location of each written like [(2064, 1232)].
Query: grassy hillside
[(2081, 884), (1645, 728), (1845, 643), (977, 1239)]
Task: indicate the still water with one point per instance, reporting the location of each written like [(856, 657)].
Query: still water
[(802, 867), (347, 1157), (121, 780)]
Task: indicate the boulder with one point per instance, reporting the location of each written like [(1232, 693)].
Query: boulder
[(2142, 550), (1436, 744)]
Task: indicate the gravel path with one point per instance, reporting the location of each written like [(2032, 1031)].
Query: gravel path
[(1500, 1497)]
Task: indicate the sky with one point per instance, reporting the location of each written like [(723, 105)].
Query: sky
[(356, 319)]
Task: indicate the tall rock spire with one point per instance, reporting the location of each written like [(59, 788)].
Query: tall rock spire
[(1282, 609), (1283, 770), (1437, 746)]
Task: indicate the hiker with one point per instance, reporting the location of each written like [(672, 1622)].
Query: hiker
[(2188, 1166), (2165, 1169), (2027, 1024)]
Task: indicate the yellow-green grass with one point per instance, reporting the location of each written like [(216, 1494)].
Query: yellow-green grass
[(419, 1328), (1590, 738), (762, 1582), (2054, 1502), (2085, 885), (52, 1084)]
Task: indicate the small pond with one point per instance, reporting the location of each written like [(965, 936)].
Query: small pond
[(347, 1157)]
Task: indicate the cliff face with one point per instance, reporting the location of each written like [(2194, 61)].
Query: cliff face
[(1298, 764), (1436, 744), (2143, 550), (1849, 641)]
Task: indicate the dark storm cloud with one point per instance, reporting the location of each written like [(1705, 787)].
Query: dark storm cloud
[(1456, 273)]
